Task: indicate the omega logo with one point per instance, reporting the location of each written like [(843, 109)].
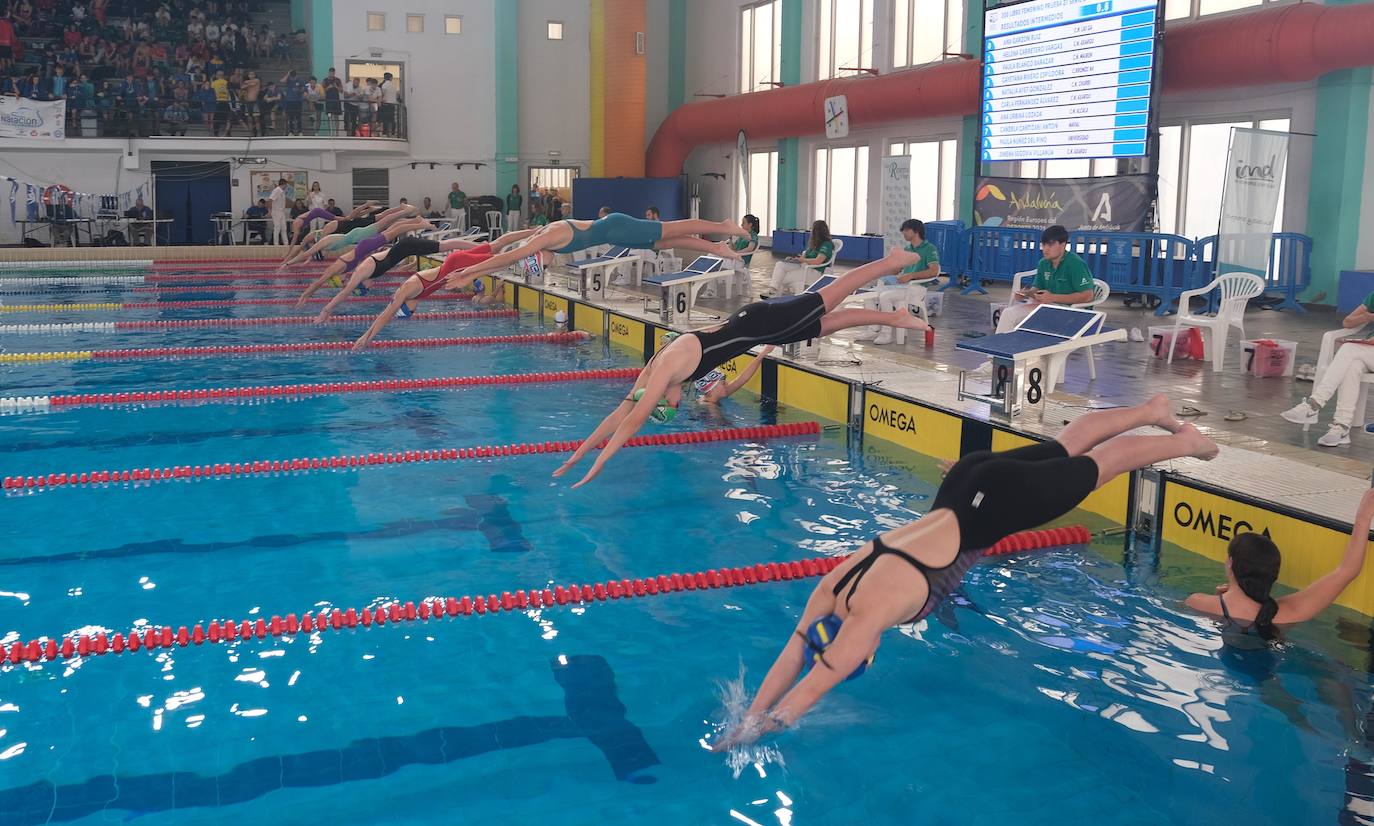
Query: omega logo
[(891, 418), (1221, 526), (619, 328)]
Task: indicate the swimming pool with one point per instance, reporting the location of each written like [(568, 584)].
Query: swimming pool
[(1060, 687)]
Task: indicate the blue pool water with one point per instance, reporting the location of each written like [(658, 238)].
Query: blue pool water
[(1062, 687)]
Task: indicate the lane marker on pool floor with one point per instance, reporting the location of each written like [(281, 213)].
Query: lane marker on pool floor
[(235, 394), (267, 321), (261, 467), (67, 645), (206, 304), (278, 349)]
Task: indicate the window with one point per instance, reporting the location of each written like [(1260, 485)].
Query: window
[(376, 21), (841, 189), (453, 24), (415, 23), (1177, 9), (555, 179), (1191, 176), (760, 53), (555, 30), (371, 184), (762, 194), (924, 30), (846, 37), (934, 177)]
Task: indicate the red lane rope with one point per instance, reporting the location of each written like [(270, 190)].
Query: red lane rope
[(325, 346), (207, 304), (331, 388), (67, 645), (292, 320), (265, 466), (234, 276), (208, 288)]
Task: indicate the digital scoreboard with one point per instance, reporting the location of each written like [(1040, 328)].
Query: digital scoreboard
[(1068, 79)]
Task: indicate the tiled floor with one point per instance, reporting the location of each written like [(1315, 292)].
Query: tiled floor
[(1264, 455)]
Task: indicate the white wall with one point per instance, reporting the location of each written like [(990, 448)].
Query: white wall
[(555, 97), (450, 99), (656, 69)]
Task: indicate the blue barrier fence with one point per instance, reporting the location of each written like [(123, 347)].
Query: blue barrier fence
[(1149, 265)]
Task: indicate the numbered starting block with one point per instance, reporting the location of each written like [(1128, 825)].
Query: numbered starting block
[(592, 274), (679, 289), (1028, 361)]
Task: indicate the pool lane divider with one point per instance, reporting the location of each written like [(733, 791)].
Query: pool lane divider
[(205, 304), (278, 349), (268, 321), (122, 280), (216, 394), (386, 284), (68, 646), (263, 467)]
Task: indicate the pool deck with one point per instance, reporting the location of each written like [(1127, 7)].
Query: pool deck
[(1263, 457)]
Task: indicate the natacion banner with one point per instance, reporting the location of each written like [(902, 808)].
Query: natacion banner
[(24, 118)]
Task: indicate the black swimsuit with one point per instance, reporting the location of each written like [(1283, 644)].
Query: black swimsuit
[(775, 321), (941, 581), (403, 249)]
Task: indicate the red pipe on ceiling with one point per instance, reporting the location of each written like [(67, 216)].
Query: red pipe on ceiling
[(1272, 45)]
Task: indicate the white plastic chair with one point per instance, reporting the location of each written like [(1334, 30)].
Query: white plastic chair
[(1330, 341), (494, 219), (1236, 288), (798, 279)]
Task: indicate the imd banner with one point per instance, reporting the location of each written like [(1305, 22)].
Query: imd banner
[(1250, 200), (24, 118), (1116, 204), (896, 198)]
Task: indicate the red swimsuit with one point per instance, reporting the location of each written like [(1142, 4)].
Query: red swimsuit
[(455, 261)]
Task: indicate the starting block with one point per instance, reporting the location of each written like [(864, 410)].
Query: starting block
[(679, 289)]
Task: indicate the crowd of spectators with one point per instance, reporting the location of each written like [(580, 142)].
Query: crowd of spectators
[(140, 68)]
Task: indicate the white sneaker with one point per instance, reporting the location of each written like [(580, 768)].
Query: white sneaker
[(984, 369), (885, 337), (1136, 335), (1301, 413), (1338, 435)]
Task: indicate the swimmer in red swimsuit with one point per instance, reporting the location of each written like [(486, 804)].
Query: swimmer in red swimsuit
[(425, 283)]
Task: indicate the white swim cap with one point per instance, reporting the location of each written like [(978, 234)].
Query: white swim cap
[(560, 317)]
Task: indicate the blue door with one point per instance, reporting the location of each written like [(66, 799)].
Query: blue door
[(189, 193)]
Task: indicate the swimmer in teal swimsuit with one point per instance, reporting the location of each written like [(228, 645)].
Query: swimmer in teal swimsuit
[(616, 229), (354, 255), (336, 244)]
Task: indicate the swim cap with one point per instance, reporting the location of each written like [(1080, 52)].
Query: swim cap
[(404, 312), (819, 637), (663, 412), (478, 287), (668, 338), (560, 317)]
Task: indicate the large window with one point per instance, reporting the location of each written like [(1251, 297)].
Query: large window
[(760, 46), (846, 37), (841, 189), (1191, 160), (1177, 9), (371, 185), (934, 176), (924, 30), (761, 196)]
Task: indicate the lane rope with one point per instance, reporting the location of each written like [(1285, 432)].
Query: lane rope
[(261, 467), (269, 321), (205, 304), (15, 404), (77, 266), (71, 280), (69, 645), (295, 347)]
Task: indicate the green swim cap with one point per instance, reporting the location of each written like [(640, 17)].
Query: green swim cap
[(663, 412), (668, 338)]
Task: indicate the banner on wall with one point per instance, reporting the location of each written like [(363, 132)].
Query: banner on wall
[(297, 184), (896, 194), (24, 118), (1250, 200), (1120, 203), (742, 165)]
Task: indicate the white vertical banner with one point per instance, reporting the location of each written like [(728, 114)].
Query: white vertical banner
[(24, 118), (742, 167), (896, 194), (1250, 200)]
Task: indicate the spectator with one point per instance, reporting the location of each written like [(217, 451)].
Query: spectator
[(428, 209), (334, 208), (513, 201), (333, 101), (271, 99), (277, 200), (57, 84), (281, 50), (537, 217), (819, 248), (314, 104), (387, 111), (293, 92), (316, 196), (221, 91), (353, 103), (909, 286), (458, 206), (298, 208), (139, 215), (372, 94), (652, 214), (249, 91), (177, 116)]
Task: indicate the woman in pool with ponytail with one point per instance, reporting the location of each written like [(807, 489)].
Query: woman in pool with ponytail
[(1245, 602)]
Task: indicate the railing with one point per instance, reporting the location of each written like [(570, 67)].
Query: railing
[(1290, 266), (241, 120)]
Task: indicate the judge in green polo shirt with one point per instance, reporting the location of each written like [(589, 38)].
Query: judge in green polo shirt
[(1061, 277), (908, 286)]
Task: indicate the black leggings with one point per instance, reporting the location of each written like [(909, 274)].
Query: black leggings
[(403, 249), (994, 495)]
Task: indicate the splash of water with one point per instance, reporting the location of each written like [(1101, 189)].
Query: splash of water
[(734, 702)]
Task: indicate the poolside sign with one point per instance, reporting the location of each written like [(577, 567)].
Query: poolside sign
[(24, 118), (1252, 181)]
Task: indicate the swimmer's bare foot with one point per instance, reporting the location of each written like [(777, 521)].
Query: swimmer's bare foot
[(906, 319), (724, 250), (1197, 445), (1162, 413)]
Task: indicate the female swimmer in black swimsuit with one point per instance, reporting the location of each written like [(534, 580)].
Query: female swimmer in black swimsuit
[(693, 355), (985, 496)]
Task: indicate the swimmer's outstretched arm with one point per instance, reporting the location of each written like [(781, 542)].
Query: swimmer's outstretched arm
[(335, 268), (311, 250), (608, 425), (553, 236), (360, 273), (654, 388), (715, 397), (412, 287), (509, 238)]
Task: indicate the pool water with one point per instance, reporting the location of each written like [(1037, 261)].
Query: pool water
[(1065, 686)]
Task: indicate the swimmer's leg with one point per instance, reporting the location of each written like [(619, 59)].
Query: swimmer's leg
[(720, 249), (1127, 453), (1087, 432), (695, 226), (844, 319), (851, 282)]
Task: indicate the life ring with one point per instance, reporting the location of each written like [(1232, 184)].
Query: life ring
[(58, 194)]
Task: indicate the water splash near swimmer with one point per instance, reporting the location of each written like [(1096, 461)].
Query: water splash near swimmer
[(734, 702)]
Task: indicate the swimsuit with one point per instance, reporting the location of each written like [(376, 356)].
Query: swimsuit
[(780, 320), (455, 261), (940, 580), (403, 249), (617, 229), (318, 212), (365, 247)]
